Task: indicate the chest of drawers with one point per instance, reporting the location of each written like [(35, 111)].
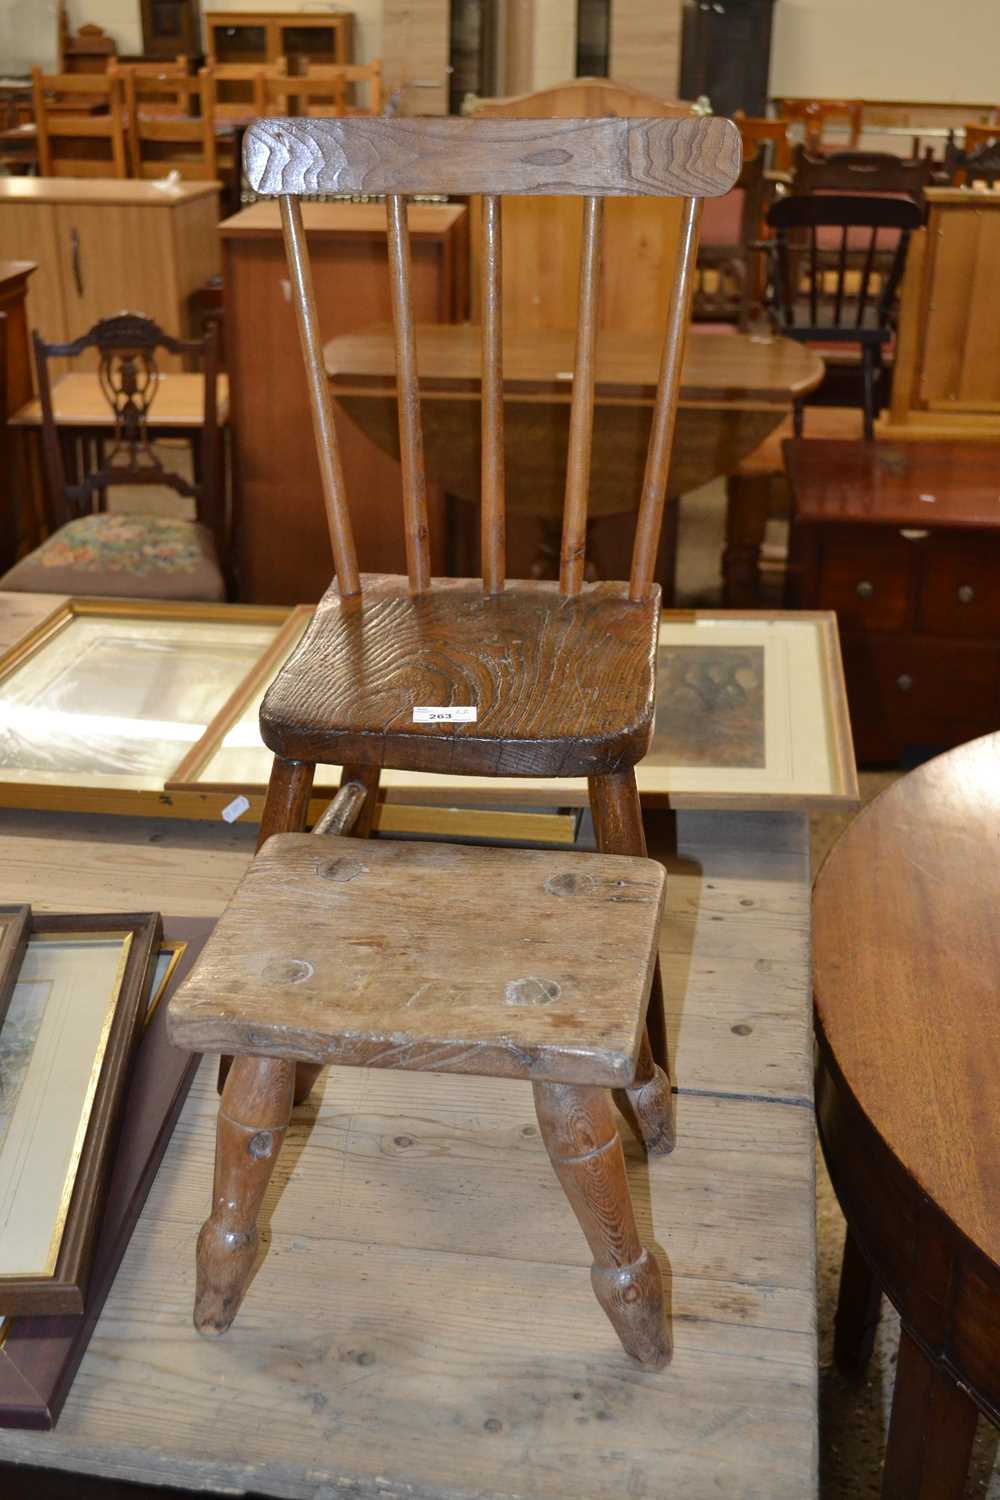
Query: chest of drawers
[(904, 544)]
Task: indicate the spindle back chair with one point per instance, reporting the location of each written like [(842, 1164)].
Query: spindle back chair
[(861, 172), (845, 296), (163, 142), (561, 679)]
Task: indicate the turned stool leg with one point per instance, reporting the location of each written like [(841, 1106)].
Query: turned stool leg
[(285, 811), (578, 1128), (617, 812), (648, 1104), (253, 1117)]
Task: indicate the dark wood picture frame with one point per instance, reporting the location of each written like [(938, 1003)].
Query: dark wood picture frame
[(13, 940), (39, 1356), (65, 1290)]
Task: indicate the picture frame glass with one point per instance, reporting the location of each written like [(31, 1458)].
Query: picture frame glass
[(52, 1046), (115, 700)]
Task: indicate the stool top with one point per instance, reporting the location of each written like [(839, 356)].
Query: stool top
[(906, 923)]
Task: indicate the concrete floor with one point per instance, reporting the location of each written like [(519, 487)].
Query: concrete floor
[(854, 1414)]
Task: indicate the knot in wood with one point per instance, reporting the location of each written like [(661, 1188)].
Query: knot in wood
[(288, 971), (569, 884), (531, 991), (341, 869), (261, 1145)]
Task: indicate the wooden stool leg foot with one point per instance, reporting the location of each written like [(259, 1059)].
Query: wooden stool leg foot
[(578, 1128), (649, 1105), (253, 1117), (931, 1431), (306, 1075)]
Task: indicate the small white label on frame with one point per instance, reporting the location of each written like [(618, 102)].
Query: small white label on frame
[(459, 714), (235, 809)]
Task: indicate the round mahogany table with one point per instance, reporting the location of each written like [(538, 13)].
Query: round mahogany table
[(906, 925)]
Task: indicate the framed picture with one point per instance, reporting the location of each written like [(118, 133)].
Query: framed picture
[(100, 702), (13, 937), (751, 712), (39, 1356), (66, 1043)]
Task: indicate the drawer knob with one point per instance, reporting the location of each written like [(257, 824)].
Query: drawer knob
[(966, 593), (865, 589), (904, 682)]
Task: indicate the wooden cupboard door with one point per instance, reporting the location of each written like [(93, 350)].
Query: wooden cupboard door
[(116, 258), (28, 232)]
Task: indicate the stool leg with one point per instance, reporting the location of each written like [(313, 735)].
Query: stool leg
[(649, 1104), (931, 1430), (307, 1073), (617, 812), (578, 1128), (285, 811), (859, 1304), (253, 1117)]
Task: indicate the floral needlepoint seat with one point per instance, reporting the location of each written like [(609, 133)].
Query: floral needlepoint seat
[(123, 556), (96, 550)]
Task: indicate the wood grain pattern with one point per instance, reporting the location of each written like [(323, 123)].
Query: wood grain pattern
[(493, 474), (411, 443), (391, 1308), (555, 989), (687, 158), (561, 686), (581, 416), (916, 1168), (580, 1135)]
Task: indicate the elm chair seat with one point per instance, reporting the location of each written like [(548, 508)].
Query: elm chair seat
[(537, 666)]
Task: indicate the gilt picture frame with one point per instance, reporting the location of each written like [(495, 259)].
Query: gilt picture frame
[(74, 1019)]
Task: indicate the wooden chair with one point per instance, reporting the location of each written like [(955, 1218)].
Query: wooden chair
[(92, 550), (164, 86), (980, 166), (167, 142), (326, 90), (69, 144), (861, 172), (811, 117), (484, 961), (821, 298), (240, 88), (730, 252)]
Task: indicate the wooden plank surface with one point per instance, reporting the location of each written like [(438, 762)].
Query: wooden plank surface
[(422, 1323)]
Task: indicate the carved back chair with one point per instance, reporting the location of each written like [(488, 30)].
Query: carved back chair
[(70, 145), (92, 550), (849, 297), (169, 142), (484, 961), (861, 172)]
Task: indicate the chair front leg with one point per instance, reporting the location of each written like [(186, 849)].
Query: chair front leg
[(578, 1128), (648, 1104), (253, 1117)]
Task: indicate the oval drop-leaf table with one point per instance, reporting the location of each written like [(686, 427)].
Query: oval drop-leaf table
[(906, 924)]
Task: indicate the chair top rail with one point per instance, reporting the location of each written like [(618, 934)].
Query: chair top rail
[(607, 157), (860, 210)]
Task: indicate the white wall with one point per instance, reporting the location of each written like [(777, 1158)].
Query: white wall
[(887, 49), (28, 35)]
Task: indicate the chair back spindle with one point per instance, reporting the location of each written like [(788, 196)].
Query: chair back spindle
[(411, 436), (572, 557), (687, 159), (494, 509), (661, 438), (338, 516)]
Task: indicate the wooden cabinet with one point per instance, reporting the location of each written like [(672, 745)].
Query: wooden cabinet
[(726, 54), (104, 246), (904, 544), (252, 36), (946, 380), (17, 521), (171, 27), (282, 550)]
